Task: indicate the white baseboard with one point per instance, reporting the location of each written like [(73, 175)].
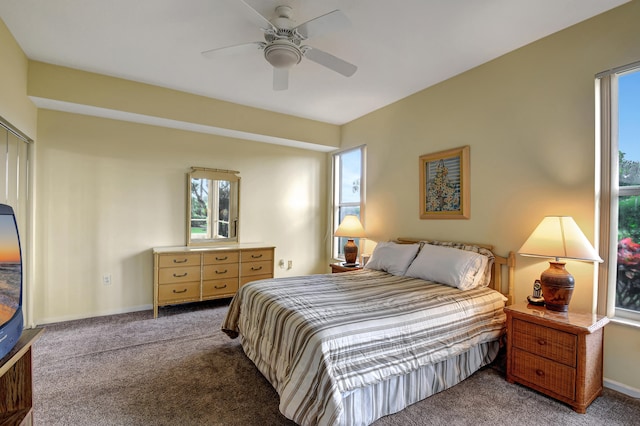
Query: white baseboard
[(127, 310), (622, 388)]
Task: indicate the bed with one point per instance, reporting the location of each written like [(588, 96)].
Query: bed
[(349, 348)]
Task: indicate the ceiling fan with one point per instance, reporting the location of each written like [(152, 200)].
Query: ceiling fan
[(283, 46)]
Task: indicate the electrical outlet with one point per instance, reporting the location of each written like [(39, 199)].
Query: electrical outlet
[(106, 279), (290, 264)]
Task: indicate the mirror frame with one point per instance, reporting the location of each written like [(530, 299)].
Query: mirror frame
[(214, 175)]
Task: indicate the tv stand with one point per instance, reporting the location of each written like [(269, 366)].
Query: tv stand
[(16, 404)]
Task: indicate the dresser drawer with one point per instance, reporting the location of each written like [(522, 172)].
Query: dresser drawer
[(217, 288), (250, 278), (176, 259), (550, 375), (223, 270), (216, 258), (547, 342), (179, 292), (178, 275), (257, 268), (256, 255)]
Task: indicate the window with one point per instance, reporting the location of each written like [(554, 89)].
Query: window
[(619, 95), (348, 191)]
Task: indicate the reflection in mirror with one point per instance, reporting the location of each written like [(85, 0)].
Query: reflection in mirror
[(212, 206)]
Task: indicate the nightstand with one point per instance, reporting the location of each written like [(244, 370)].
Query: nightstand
[(339, 267), (556, 353)]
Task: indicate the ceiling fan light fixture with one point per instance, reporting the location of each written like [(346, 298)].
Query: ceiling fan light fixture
[(282, 54)]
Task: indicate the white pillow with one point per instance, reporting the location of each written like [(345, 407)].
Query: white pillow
[(450, 266), (392, 258)]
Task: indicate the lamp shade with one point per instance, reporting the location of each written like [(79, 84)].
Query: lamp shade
[(561, 238), (350, 227)]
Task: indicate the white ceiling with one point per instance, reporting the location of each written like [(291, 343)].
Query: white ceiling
[(400, 47)]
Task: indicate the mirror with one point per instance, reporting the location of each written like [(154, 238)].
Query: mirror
[(213, 206)]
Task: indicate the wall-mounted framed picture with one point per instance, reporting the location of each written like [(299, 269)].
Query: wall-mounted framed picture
[(444, 184)]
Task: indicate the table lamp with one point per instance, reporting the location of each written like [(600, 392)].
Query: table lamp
[(558, 237), (350, 228)]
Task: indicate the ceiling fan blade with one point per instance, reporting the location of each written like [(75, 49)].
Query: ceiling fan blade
[(255, 17), (234, 50), (332, 21), (280, 78), (328, 60)]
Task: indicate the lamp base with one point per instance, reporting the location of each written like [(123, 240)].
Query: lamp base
[(557, 287), (350, 252)]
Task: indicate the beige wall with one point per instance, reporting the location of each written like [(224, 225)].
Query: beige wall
[(15, 107), (68, 85), (529, 119), (110, 190)]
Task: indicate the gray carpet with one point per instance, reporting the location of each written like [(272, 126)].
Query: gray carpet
[(181, 370)]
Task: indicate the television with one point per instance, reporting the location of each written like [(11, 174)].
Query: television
[(11, 322)]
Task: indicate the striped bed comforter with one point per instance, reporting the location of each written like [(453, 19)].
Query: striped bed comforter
[(316, 338)]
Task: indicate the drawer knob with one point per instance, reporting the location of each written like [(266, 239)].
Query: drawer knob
[(179, 260), (220, 287), (180, 275), (180, 291), (222, 258), (256, 256), (539, 373), (222, 272), (253, 268), (542, 342)]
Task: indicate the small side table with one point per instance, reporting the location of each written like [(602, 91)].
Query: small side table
[(556, 353), (339, 267)]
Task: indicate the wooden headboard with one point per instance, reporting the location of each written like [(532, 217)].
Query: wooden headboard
[(503, 267)]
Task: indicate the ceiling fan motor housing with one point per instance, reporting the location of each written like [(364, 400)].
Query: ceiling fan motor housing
[(282, 54), (282, 49)]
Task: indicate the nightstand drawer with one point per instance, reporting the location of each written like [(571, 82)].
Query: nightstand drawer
[(550, 375), (547, 342)]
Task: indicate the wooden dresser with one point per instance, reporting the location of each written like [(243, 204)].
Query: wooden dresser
[(556, 353), (186, 274)]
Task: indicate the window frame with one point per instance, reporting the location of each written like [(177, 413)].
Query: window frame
[(336, 205), (608, 192)]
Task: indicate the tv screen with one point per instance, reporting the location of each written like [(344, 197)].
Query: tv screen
[(11, 322)]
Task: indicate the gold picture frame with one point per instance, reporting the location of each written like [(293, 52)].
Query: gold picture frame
[(444, 184)]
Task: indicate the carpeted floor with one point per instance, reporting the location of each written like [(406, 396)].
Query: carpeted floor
[(180, 369)]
